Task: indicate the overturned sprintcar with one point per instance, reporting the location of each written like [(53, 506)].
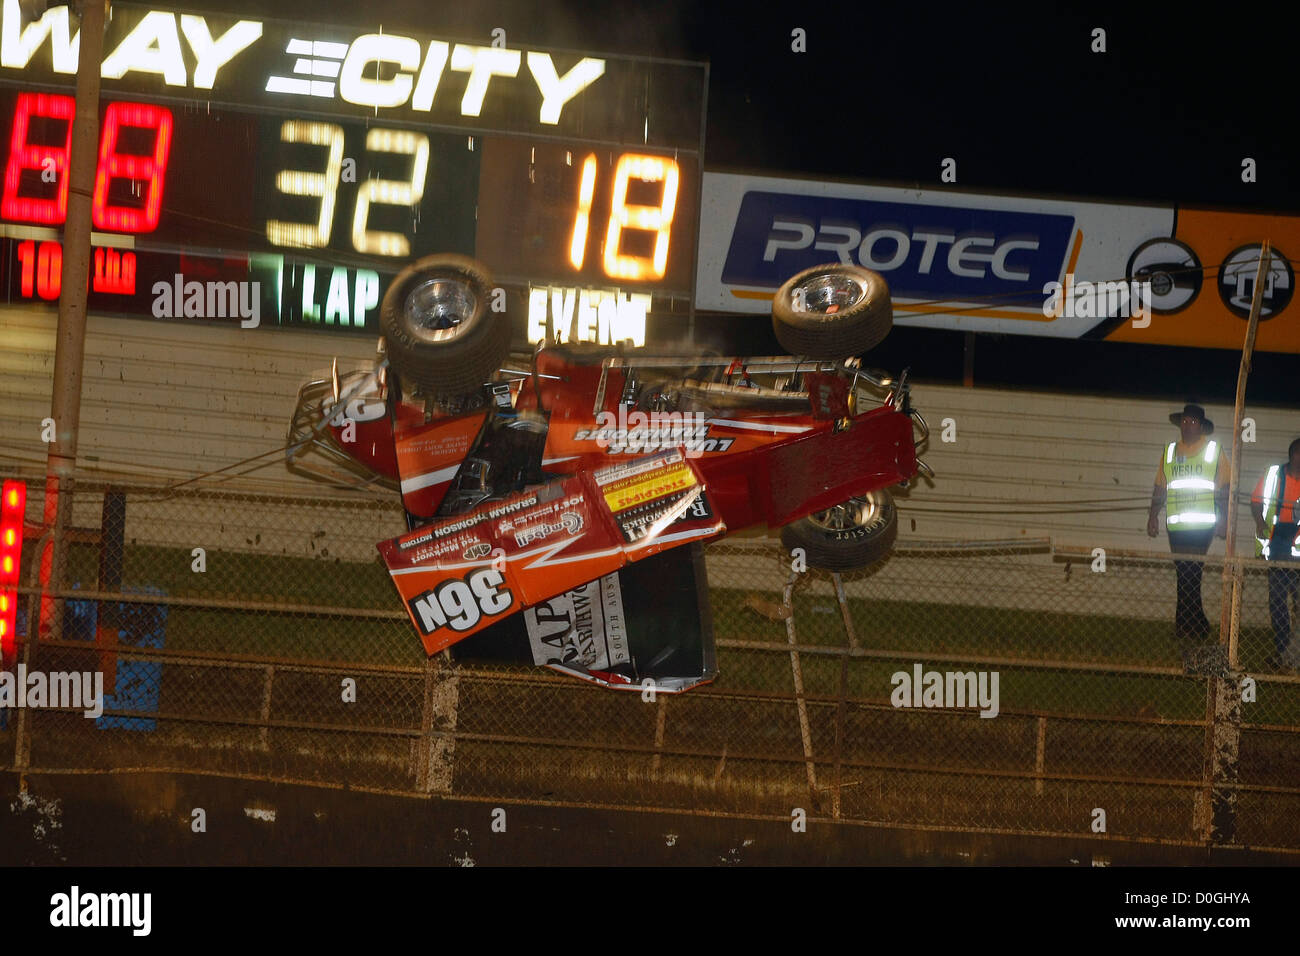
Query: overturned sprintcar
[(578, 483)]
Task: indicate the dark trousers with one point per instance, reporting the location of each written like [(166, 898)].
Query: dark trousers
[(1282, 583), (1190, 622)]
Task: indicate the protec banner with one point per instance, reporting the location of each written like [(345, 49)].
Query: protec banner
[(1007, 264)]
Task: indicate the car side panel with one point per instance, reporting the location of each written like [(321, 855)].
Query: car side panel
[(823, 468)]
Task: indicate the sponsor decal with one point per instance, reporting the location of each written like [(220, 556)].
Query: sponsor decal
[(1237, 282), (491, 514), (461, 603), (584, 627), (479, 549), (625, 470), (922, 250), (443, 549), (643, 521), (570, 521), (981, 263), (405, 544), (646, 496), (1172, 272), (629, 492)]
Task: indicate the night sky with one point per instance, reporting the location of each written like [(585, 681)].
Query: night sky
[(886, 91)]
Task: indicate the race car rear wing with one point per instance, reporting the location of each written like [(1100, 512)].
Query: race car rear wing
[(460, 574)]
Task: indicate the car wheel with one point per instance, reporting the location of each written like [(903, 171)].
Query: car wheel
[(832, 311), (849, 536), (439, 332)]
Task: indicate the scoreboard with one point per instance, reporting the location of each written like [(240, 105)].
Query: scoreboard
[(317, 161)]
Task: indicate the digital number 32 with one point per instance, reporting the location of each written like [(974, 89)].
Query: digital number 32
[(324, 186)]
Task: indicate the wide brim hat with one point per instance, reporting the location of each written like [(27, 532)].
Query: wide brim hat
[(1192, 411)]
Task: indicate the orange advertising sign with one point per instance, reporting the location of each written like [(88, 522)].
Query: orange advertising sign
[(1203, 279)]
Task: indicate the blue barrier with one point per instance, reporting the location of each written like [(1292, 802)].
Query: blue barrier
[(139, 683)]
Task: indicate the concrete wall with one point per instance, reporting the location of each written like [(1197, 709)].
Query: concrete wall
[(1038, 457), (162, 402), (166, 400)]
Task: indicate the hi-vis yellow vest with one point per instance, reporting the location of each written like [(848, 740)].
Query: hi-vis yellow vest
[(1189, 484), (1274, 484)]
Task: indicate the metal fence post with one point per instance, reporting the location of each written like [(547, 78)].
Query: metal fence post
[(1222, 697), (112, 558), (435, 753), (22, 743), (1040, 755), (801, 705), (70, 336), (22, 731), (264, 732), (841, 693), (661, 721), (1225, 729), (1226, 740)]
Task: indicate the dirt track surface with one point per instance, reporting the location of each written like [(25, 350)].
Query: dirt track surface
[(134, 819)]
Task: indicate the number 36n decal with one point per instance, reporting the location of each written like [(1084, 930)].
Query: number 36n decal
[(461, 604)]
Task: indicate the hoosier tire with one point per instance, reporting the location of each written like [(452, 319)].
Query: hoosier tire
[(848, 537), (832, 311), (440, 334)]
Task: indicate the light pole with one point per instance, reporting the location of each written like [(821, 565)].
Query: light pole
[(70, 337)]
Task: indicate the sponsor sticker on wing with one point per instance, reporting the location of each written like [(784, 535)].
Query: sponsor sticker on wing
[(459, 605), (557, 543), (461, 574), (631, 492), (584, 627), (458, 575), (657, 502)]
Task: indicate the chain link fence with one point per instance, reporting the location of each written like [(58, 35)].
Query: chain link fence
[(1007, 687)]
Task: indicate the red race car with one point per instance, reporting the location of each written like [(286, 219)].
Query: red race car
[(528, 486)]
